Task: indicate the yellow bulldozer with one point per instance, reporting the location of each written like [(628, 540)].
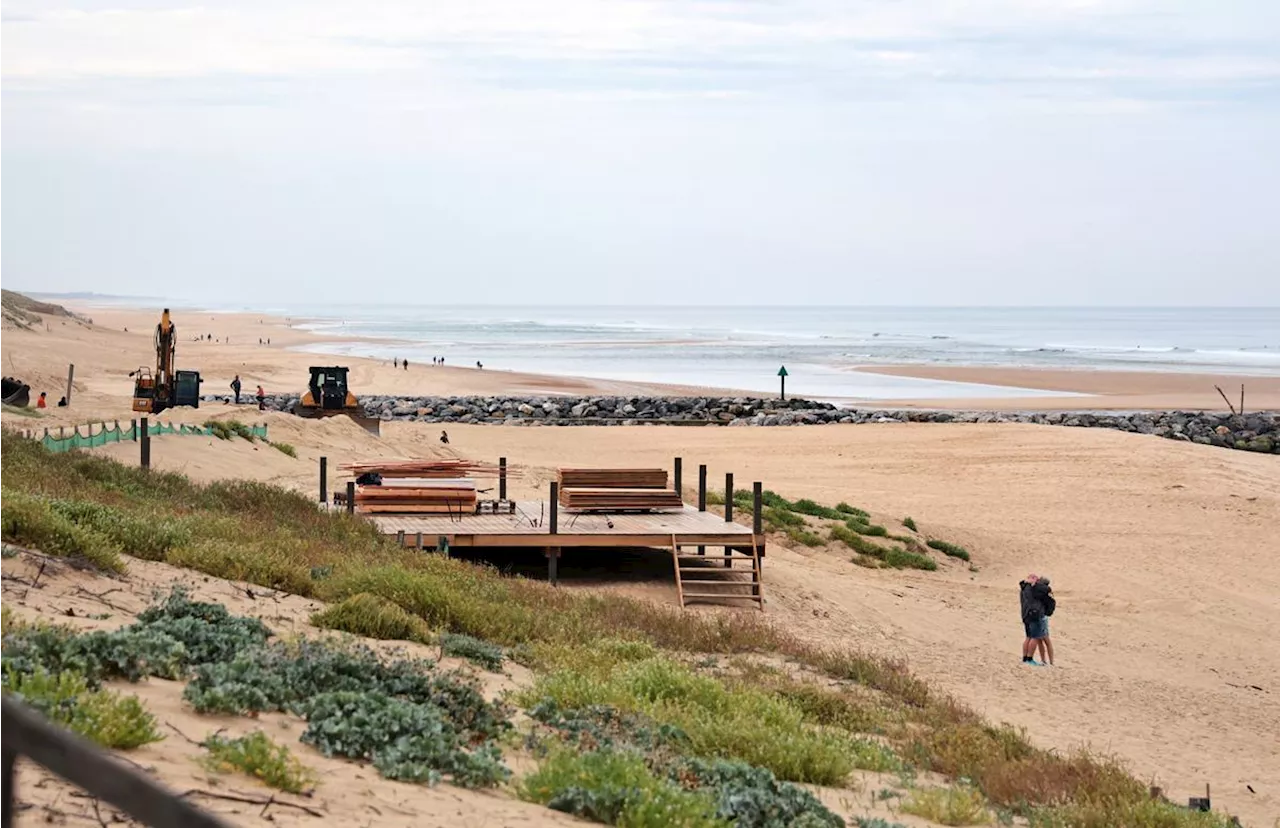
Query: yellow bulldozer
[(167, 387), (328, 395)]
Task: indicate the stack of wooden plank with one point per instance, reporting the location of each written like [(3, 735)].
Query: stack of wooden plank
[(613, 478), (619, 500), (430, 469), (418, 496), (616, 490)]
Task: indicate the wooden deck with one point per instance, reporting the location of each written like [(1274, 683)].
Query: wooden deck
[(530, 527)]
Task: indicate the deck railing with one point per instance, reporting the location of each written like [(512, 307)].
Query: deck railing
[(84, 764)]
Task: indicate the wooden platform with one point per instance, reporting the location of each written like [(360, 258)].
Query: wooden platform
[(530, 527)]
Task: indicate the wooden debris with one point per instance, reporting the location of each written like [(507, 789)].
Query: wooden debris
[(432, 469)]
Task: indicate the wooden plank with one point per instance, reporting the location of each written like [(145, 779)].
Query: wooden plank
[(576, 478), (87, 766)]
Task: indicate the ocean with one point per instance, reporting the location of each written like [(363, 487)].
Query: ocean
[(744, 347)]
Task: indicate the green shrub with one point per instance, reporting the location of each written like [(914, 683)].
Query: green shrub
[(779, 519), (750, 797), (102, 716), (742, 723), (32, 521), (148, 536), (951, 550), (906, 559), (616, 789), (875, 822), (284, 448), (948, 806), (259, 563), (1140, 813), (406, 741), (845, 509), (807, 507), (489, 656), (910, 524), (804, 536), (892, 556), (373, 617), (229, 429), (261, 758), (867, 529)]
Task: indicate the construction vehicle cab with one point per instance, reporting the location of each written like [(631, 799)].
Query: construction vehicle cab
[(328, 394), (328, 389)]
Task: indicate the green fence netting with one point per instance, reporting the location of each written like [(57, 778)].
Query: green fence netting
[(93, 435)]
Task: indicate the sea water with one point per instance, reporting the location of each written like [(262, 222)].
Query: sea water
[(821, 347)]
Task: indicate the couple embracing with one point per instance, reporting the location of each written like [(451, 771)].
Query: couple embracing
[(1038, 604)]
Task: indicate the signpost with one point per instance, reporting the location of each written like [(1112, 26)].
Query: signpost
[(782, 372)]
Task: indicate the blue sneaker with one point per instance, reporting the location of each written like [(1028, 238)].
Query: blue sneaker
[(1032, 663)]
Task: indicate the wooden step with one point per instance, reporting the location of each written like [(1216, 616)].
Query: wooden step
[(722, 595)]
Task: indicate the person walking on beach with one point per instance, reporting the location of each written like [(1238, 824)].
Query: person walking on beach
[(405, 363), (1032, 618), (235, 386), (395, 362)]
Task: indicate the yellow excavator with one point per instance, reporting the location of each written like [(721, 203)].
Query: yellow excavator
[(167, 387), (327, 395)]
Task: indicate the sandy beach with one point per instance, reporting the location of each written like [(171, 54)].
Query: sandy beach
[(1162, 552), (1106, 390)]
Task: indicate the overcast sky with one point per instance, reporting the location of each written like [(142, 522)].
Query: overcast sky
[(575, 151)]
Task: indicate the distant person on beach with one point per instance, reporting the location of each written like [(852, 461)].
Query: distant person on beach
[(235, 386), (405, 363), (479, 364), (62, 403), (1037, 604), (395, 362), (262, 399), (40, 403), (444, 437)]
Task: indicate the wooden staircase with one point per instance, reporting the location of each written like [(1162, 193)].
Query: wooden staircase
[(709, 582)]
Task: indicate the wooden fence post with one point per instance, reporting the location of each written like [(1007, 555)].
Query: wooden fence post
[(71, 373), (679, 478), (145, 442), (351, 497), (324, 479), (502, 478), (702, 497)]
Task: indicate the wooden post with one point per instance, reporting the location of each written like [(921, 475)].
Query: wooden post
[(702, 497), (728, 515), (400, 538), (418, 541), (133, 424), (554, 507), (679, 478), (10, 757), (324, 479), (502, 478), (71, 373), (553, 553), (146, 444), (757, 514), (351, 497)]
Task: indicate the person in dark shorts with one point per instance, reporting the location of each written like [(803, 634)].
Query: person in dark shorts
[(1032, 617), (235, 386)]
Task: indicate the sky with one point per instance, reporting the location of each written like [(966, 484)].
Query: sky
[(832, 152)]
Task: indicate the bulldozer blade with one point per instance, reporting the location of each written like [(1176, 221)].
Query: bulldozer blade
[(370, 424)]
